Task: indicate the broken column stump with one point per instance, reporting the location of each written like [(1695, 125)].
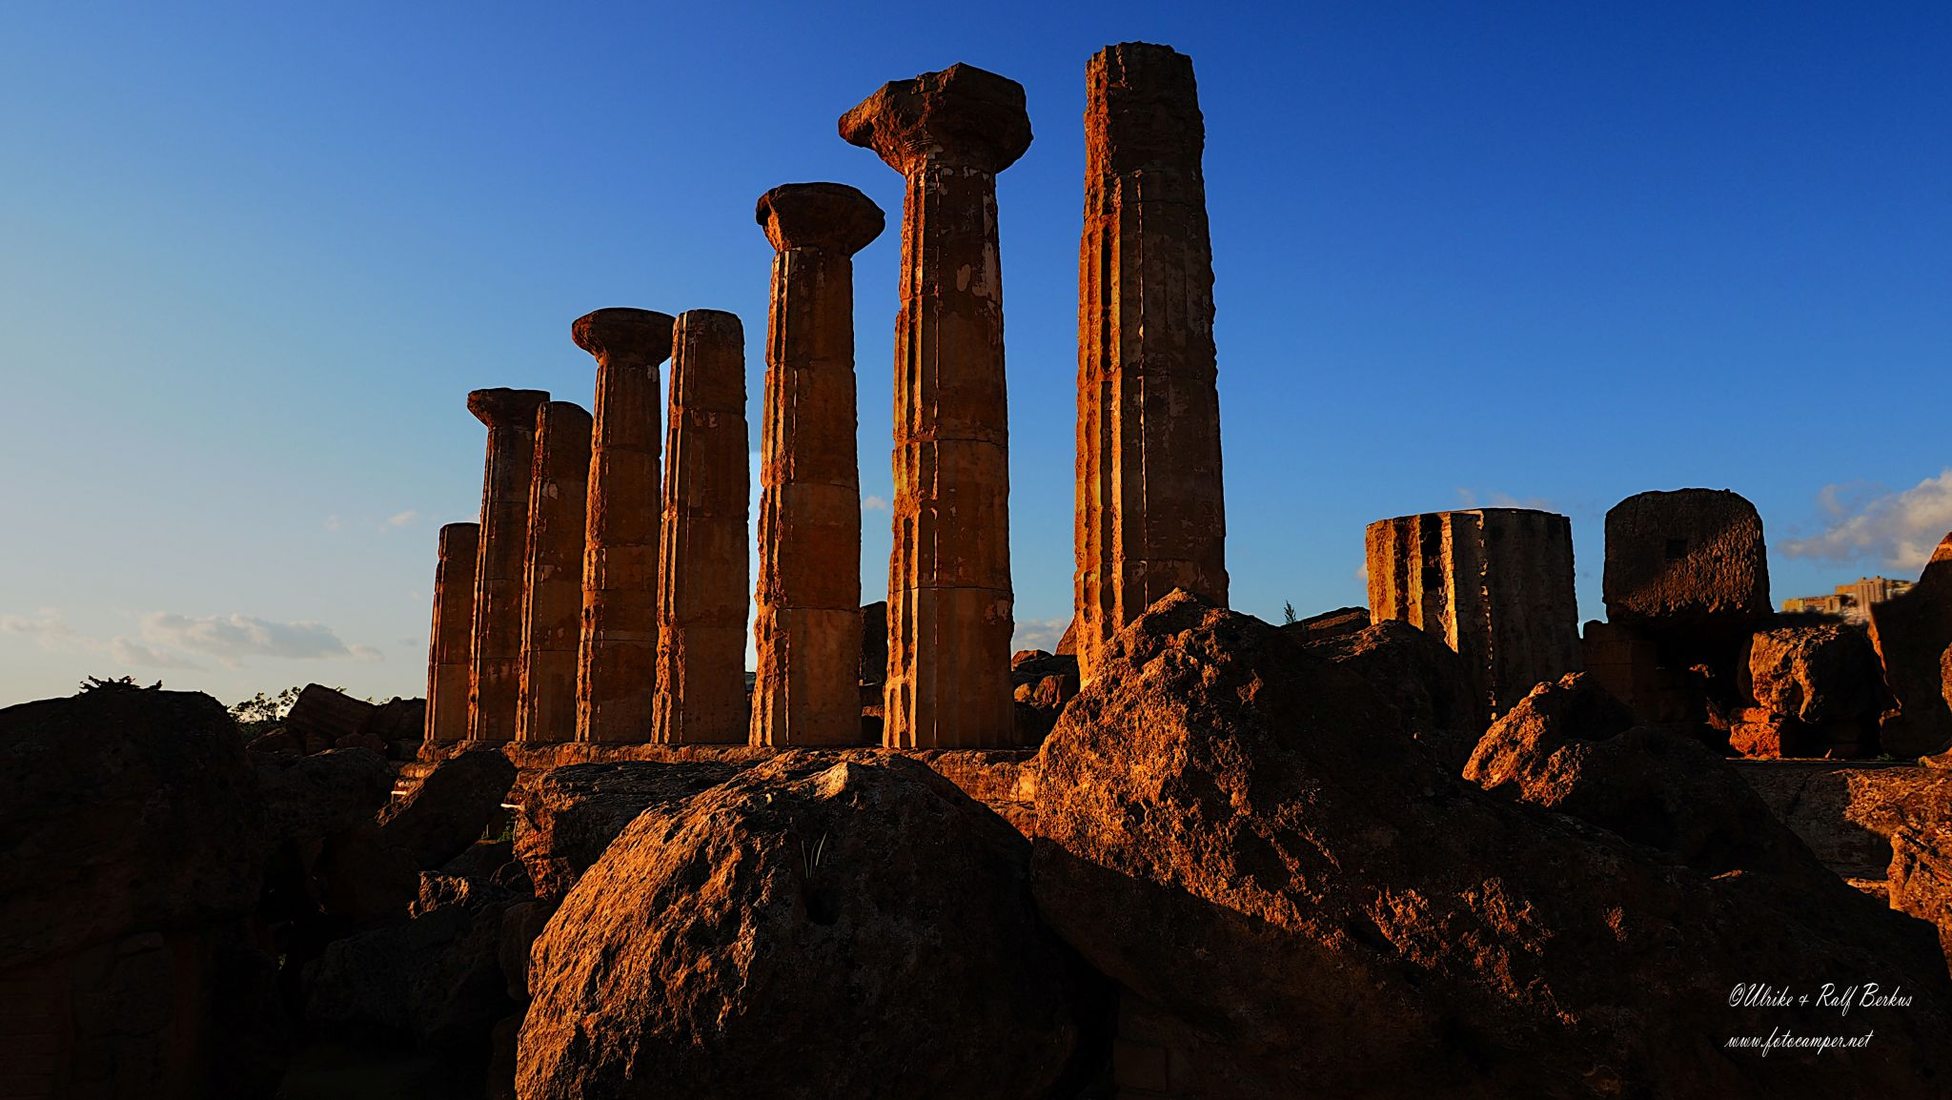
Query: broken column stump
[(1495, 584), (807, 622), (552, 615), (701, 592), (949, 597), (616, 669), (450, 640), (1151, 514), (495, 681)]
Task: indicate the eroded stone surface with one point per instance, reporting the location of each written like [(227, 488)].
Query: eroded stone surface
[(800, 930), (806, 623), (495, 680), (949, 595), (701, 592), (1494, 583), (1216, 786), (552, 617), (1151, 513), (1691, 559), (617, 652)]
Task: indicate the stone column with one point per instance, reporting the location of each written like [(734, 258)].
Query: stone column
[(552, 615), (494, 684), (949, 599), (702, 582), (1151, 514), (450, 643), (807, 623), (617, 660), (1495, 584)]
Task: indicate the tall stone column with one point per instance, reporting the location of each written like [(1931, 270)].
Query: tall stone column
[(494, 684), (1151, 513), (949, 599), (552, 615), (701, 591), (450, 642), (807, 623), (1495, 584), (616, 671)]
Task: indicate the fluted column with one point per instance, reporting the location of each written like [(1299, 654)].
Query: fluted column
[(949, 598), (616, 672), (552, 614), (1151, 514), (702, 581), (494, 684), (807, 619), (450, 641)]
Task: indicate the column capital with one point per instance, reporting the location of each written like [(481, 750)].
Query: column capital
[(831, 217), (961, 115), (502, 407), (459, 537), (625, 334)]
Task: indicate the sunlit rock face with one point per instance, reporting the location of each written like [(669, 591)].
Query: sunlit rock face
[(805, 929), (1297, 899)]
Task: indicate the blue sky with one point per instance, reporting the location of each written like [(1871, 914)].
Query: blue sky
[(252, 259)]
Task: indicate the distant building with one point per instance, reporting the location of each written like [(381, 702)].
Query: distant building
[(1851, 602)]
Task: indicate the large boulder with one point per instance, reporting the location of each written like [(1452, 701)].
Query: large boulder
[(454, 802), (1911, 632), (435, 979), (1424, 679), (571, 814), (1571, 748), (321, 717), (308, 798), (1042, 682), (1811, 690), (1301, 901), (131, 855), (807, 929)]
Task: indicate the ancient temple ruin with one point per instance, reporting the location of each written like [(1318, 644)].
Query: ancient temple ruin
[(494, 684), (950, 614), (1151, 513), (807, 618)]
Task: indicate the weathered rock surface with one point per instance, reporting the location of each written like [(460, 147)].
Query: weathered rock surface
[(435, 979), (1328, 624), (1920, 877), (1238, 834), (1570, 747), (1418, 674), (1042, 683), (1847, 813), (803, 930), (1911, 632), (308, 798), (1815, 674), (131, 852), (571, 814), (453, 803)]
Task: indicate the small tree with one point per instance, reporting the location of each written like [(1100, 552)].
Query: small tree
[(1287, 613), (261, 712), (119, 683)]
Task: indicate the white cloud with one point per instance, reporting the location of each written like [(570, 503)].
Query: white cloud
[(231, 638), (1897, 530), (1039, 633), (401, 519), (1469, 498), (46, 626), (131, 652), (874, 504), (332, 523)]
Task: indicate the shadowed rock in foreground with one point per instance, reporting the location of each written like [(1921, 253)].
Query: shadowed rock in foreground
[(803, 930), (1296, 900)]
